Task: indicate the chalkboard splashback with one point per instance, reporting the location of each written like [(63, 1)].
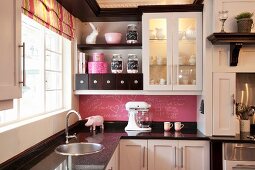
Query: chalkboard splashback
[(163, 108)]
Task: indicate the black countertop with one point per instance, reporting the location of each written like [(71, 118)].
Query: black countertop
[(110, 140), (239, 138), (47, 159)]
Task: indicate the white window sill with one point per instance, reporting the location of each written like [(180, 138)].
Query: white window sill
[(30, 120)]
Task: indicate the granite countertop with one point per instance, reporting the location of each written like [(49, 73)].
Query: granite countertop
[(110, 138), (239, 138)]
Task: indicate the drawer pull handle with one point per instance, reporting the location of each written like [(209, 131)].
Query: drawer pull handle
[(143, 157), (95, 81), (122, 82), (175, 156), (108, 81), (234, 103), (182, 157), (136, 81), (81, 81), (244, 147)]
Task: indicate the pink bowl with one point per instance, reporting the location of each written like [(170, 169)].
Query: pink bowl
[(112, 37)]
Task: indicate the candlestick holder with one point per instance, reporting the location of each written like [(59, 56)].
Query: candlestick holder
[(223, 15)]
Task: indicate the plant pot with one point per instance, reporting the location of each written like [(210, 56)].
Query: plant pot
[(244, 25), (245, 125)]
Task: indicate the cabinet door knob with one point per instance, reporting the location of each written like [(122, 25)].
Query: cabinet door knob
[(95, 81), (108, 81), (122, 82), (81, 81), (136, 81)]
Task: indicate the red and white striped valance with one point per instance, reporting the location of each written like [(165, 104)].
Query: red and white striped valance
[(51, 14)]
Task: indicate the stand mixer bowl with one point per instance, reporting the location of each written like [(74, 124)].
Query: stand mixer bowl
[(143, 119)]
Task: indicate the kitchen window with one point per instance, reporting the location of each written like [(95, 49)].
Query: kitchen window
[(47, 56)]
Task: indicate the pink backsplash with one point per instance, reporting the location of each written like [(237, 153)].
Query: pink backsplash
[(164, 108)]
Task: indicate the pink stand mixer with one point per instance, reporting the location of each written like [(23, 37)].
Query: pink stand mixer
[(139, 116)]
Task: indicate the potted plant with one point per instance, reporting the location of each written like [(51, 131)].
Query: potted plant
[(244, 22), (244, 113)]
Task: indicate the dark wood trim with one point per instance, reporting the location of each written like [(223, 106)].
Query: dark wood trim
[(124, 14), (94, 6), (236, 41), (109, 46), (90, 11), (216, 156), (225, 38), (198, 1), (171, 8)]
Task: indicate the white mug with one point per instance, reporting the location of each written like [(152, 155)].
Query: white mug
[(167, 126), (178, 126), (162, 81)]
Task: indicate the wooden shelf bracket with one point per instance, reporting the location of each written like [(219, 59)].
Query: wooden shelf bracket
[(236, 42), (234, 53)]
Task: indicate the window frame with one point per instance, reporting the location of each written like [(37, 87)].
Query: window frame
[(66, 86)]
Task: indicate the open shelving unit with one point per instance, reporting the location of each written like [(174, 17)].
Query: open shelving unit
[(109, 46)]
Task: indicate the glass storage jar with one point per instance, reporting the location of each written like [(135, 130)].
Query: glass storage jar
[(132, 64), (132, 34), (117, 63)]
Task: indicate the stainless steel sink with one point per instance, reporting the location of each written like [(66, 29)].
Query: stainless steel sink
[(75, 149)]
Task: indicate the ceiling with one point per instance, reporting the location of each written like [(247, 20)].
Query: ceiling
[(136, 3), (126, 10)]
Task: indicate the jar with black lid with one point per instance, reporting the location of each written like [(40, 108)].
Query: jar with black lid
[(132, 64), (117, 63), (132, 34)]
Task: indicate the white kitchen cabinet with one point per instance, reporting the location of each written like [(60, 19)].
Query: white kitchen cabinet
[(133, 154), (224, 104), (164, 154), (10, 39), (194, 155), (172, 51), (114, 162)]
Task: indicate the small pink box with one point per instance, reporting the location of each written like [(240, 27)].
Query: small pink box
[(98, 57), (97, 67)]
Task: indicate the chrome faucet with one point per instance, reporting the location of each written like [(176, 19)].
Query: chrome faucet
[(67, 117)]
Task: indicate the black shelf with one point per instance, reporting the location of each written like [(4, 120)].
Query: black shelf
[(109, 46), (236, 41)]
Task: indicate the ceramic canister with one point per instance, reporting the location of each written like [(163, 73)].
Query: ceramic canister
[(98, 57), (97, 67)]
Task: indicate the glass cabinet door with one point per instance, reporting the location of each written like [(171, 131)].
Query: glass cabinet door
[(155, 40), (187, 52), (172, 51)]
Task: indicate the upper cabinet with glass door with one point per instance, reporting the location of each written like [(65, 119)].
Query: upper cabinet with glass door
[(172, 51)]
